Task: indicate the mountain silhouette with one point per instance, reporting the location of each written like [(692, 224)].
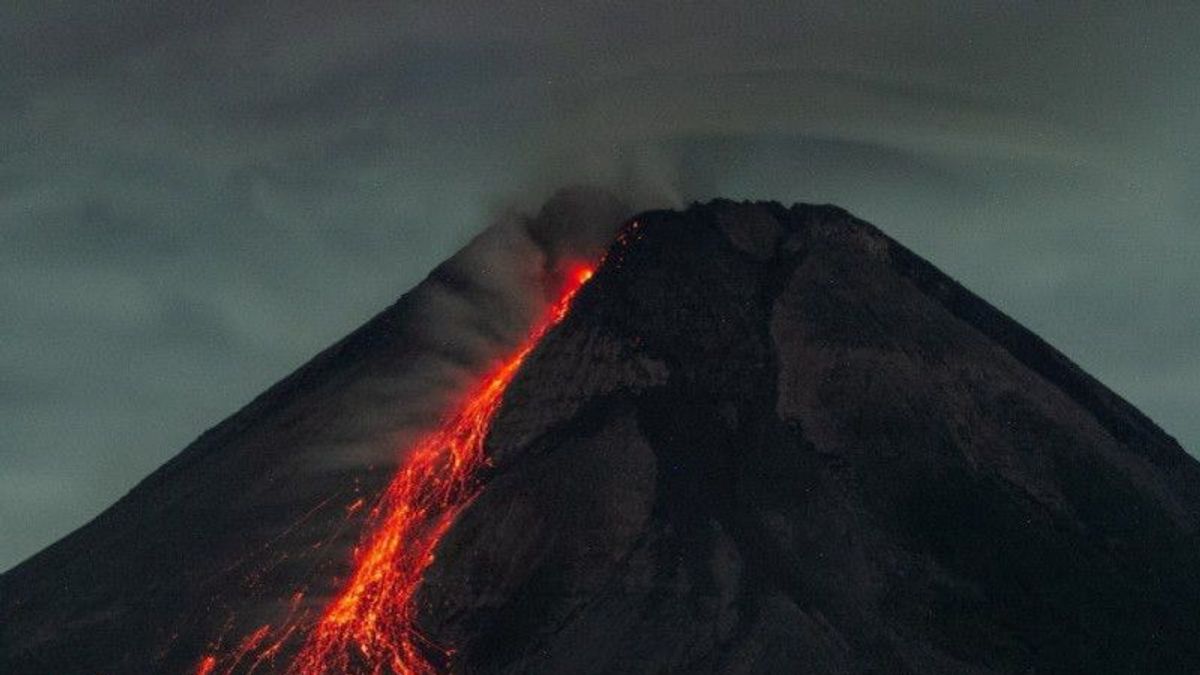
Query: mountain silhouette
[(750, 439)]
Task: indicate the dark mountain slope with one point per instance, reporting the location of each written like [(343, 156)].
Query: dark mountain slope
[(773, 440)]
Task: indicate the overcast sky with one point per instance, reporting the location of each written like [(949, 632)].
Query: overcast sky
[(197, 196)]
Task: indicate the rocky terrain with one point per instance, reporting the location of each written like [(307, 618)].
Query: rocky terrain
[(764, 440)]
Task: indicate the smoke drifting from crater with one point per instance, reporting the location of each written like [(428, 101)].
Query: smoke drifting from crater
[(472, 311)]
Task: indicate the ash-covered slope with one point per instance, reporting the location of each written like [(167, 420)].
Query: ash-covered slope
[(763, 440), (773, 440)]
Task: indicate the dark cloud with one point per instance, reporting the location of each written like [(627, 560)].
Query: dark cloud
[(197, 196)]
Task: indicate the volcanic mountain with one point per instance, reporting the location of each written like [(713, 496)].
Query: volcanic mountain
[(743, 438)]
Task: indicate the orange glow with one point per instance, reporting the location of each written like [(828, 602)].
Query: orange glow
[(370, 627), (206, 665)]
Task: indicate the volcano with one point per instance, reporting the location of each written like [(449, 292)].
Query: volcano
[(739, 438)]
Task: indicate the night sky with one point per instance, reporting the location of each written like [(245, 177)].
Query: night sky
[(196, 197)]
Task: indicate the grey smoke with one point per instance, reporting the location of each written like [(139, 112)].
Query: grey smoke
[(480, 303), (472, 311)]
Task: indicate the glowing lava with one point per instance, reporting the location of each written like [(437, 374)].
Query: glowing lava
[(370, 627)]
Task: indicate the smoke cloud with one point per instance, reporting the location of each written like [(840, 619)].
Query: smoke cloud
[(479, 304), (420, 357)]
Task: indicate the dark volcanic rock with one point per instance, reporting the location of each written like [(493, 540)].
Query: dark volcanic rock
[(764, 440), (773, 440)]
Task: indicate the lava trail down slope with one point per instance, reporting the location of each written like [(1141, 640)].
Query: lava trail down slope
[(370, 626)]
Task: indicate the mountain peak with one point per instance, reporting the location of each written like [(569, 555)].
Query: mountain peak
[(763, 439)]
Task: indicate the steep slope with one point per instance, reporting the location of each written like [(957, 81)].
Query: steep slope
[(773, 440), (763, 440)]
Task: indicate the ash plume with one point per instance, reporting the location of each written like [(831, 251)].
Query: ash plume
[(469, 312)]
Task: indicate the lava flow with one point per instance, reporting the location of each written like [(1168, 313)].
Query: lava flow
[(370, 627)]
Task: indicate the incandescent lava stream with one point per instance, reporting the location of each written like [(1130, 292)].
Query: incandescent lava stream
[(370, 627)]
